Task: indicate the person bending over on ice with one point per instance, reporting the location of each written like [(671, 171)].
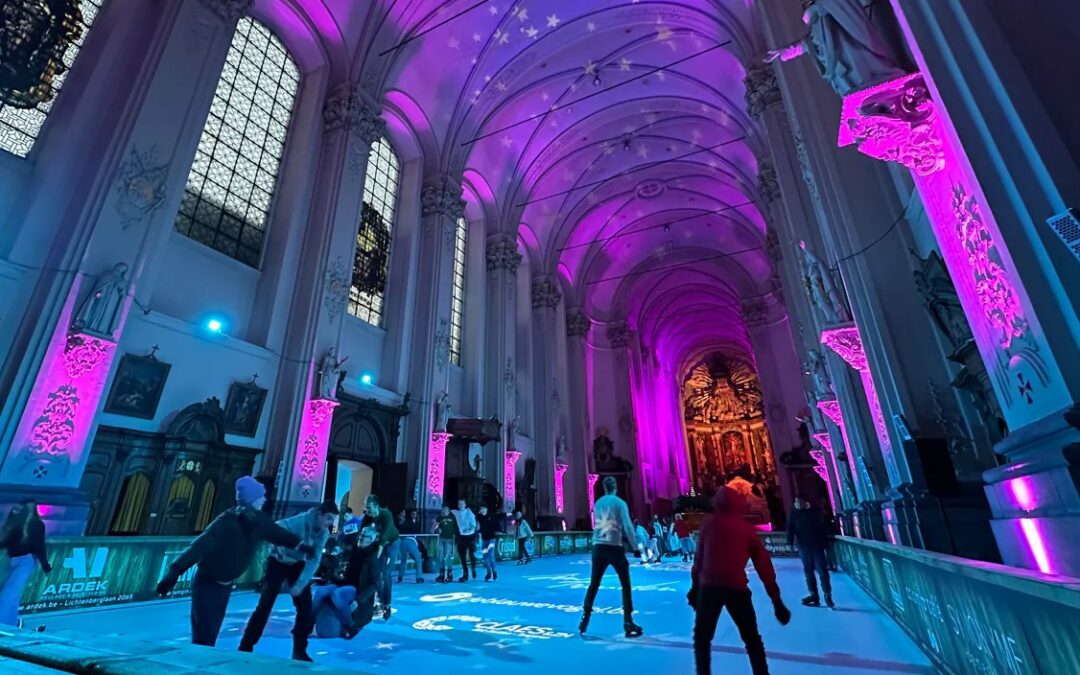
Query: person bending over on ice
[(288, 569), (383, 522), (809, 529), (223, 552), (613, 524), (344, 607), (726, 543)]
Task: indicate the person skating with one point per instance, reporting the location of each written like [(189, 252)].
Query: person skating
[(223, 552), (383, 522), (613, 524), (344, 607), (718, 580), (289, 569), (466, 539), (22, 538), (808, 529), (446, 528), (685, 536), (523, 533), (409, 547), (488, 524)]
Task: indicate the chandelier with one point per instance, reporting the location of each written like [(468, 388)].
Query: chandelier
[(34, 34)]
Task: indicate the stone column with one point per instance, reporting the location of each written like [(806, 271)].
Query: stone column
[(317, 305), (579, 434), (500, 334), (94, 227), (429, 365), (546, 298)]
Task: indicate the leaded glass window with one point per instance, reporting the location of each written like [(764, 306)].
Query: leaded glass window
[(226, 203), (19, 127), (381, 182), (457, 298)]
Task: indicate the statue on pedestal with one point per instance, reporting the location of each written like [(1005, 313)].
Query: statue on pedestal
[(560, 450), (856, 43), (511, 433), (330, 374), (100, 311), (823, 292), (442, 412), (816, 369)]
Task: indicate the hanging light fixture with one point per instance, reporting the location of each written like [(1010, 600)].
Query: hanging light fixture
[(34, 35)]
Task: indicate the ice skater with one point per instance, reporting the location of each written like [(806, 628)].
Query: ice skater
[(809, 530), (685, 536), (523, 533), (23, 539), (291, 570), (718, 580), (223, 552), (488, 525), (446, 528), (409, 547), (613, 525), (466, 539), (345, 606), (383, 522)]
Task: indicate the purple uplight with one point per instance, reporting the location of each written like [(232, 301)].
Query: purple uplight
[(510, 477), (593, 477), (436, 466), (1032, 529), (1022, 493), (560, 496), (847, 343), (831, 409), (310, 467)]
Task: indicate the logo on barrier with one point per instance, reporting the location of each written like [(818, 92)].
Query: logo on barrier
[(478, 625), (168, 559), (507, 548), (86, 572)]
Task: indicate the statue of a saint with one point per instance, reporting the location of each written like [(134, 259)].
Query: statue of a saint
[(816, 369), (856, 43), (330, 374), (100, 311), (823, 292), (511, 433), (442, 412), (560, 450)]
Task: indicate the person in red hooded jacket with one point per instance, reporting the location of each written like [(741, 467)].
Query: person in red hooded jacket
[(725, 543)]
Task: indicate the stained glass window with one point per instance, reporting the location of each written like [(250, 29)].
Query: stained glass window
[(226, 203), (457, 298), (380, 196), (19, 127)]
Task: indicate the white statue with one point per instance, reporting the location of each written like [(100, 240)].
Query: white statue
[(560, 449), (442, 412), (330, 374), (511, 433), (816, 368), (856, 43), (823, 292), (100, 311)]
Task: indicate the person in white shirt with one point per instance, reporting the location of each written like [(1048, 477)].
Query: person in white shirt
[(466, 538)]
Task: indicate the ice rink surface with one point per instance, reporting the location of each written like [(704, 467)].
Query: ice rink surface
[(526, 622)]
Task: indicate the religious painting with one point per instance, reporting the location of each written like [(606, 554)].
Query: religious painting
[(734, 450), (243, 408), (137, 387)]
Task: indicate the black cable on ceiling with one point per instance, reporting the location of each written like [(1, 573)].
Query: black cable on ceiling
[(428, 30), (653, 227)]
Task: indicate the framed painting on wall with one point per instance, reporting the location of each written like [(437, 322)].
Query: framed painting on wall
[(137, 387), (243, 408)]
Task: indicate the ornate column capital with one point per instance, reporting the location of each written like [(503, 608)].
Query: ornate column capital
[(442, 197), (230, 11), (545, 293), (577, 323), (619, 335), (773, 247), (762, 91), (502, 253), (767, 183), (348, 108)]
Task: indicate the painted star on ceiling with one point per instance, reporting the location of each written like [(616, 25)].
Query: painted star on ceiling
[(591, 26), (553, 21), (493, 10), (624, 64), (531, 31)]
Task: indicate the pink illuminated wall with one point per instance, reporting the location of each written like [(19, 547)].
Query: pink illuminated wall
[(825, 441), (831, 409), (560, 495), (510, 478), (310, 464)]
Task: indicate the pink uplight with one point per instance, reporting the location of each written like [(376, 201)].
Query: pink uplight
[(310, 467), (510, 477), (1033, 536), (436, 466), (847, 343), (560, 496), (1021, 492), (593, 477)]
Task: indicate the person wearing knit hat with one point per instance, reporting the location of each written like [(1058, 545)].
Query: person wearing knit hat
[(223, 552)]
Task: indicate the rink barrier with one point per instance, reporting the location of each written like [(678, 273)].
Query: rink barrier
[(99, 571), (75, 652), (971, 617)]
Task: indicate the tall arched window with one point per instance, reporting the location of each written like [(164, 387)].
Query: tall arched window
[(19, 127), (372, 261), (457, 297), (227, 200)]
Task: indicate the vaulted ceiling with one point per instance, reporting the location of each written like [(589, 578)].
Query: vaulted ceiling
[(611, 135)]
